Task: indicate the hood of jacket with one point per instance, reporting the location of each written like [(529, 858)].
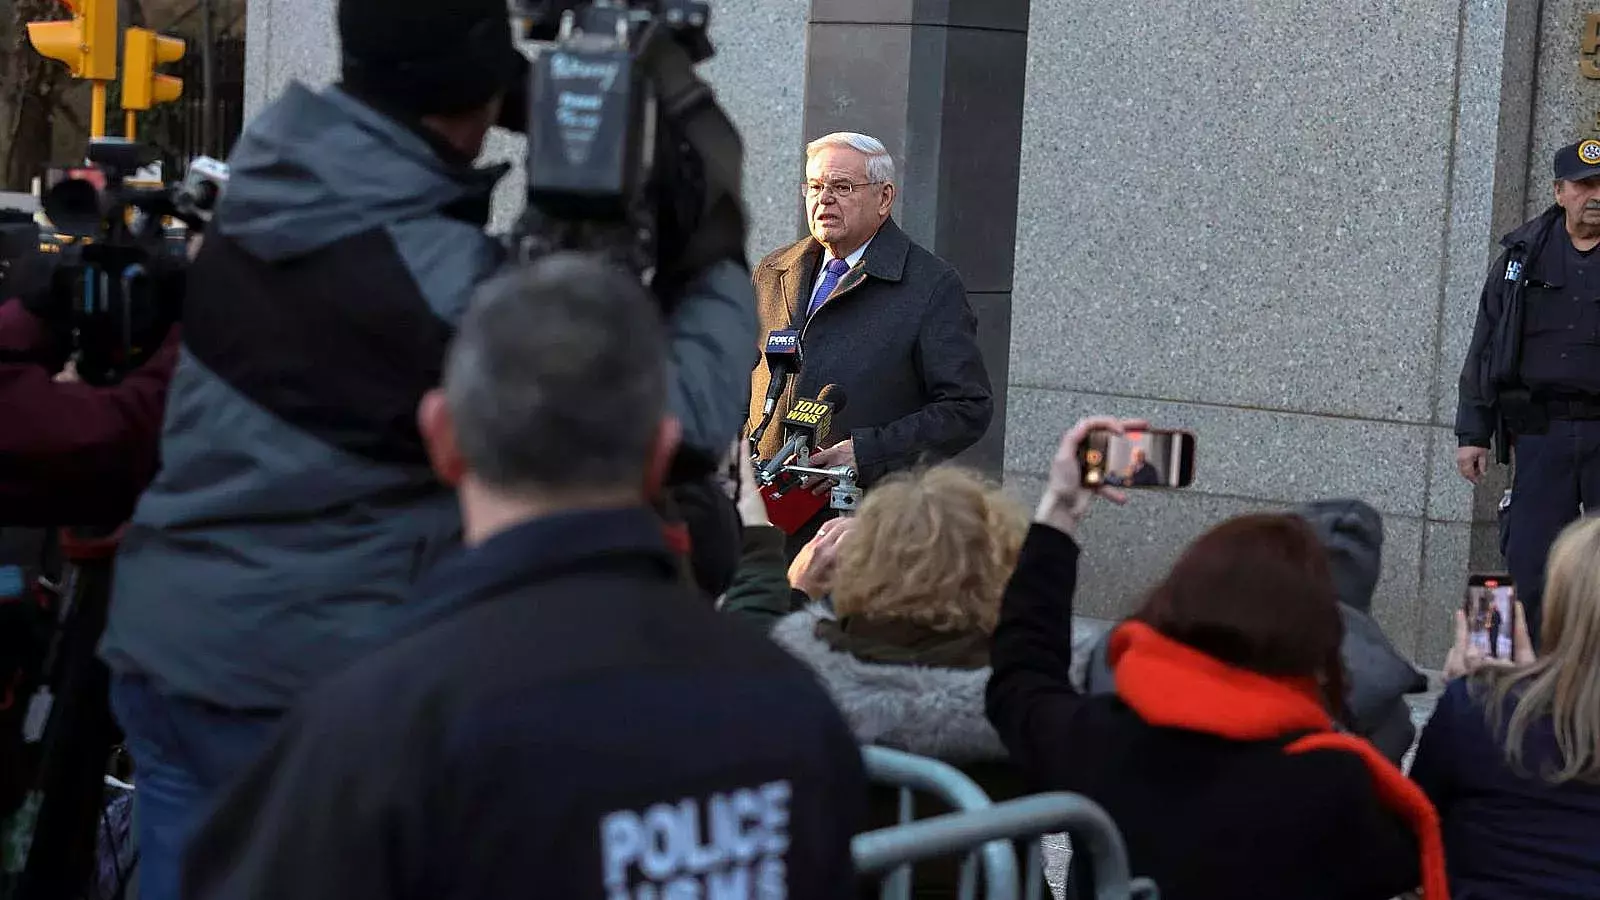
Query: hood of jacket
[(1378, 675), (319, 166), (1352, 533), (936, 712)]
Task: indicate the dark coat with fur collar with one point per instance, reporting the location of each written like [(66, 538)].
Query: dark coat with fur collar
[(925, 710), (928, 710)]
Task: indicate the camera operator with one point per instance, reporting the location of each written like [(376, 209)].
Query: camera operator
[(71, 452), (295, 508)]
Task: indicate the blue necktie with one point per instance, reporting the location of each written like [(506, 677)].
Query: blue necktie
[(833, 271)]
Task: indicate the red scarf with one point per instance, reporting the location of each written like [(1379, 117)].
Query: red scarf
[(1171, 685)]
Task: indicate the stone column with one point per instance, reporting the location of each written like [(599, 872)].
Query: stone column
[(940, 82)]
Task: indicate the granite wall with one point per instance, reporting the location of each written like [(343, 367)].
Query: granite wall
[(1269, 225)]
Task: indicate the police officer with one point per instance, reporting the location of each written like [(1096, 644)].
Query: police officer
[(1532, 374), (565, 718)]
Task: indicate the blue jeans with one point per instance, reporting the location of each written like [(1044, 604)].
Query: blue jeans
[(184, 754), (1556, 472)]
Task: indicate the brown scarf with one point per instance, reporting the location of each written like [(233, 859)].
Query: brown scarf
[(900, 643)]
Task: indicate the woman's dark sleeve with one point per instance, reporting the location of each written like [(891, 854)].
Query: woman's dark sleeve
[(25, 339), (81, 454), (760, 593), (1432, 767), (1031, 700)]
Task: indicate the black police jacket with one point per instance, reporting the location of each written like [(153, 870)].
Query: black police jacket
[(577, 724), (1495, 354)]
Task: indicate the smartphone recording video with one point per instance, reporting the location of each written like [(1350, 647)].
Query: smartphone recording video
[(1158, 458), (1490, 614)]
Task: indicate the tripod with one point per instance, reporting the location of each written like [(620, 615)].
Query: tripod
[(78, 732)]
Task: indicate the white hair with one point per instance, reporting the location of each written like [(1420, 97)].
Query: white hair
[(880, 165)]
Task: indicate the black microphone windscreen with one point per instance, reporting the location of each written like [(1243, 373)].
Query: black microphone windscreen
[(832, 393)]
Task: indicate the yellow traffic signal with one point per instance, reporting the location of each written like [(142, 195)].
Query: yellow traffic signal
[(142, 86), (87, 44)]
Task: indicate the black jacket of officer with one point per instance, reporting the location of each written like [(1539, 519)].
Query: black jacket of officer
[(1537, 337), (568, 719)]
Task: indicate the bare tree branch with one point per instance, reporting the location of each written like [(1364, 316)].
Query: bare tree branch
[(67, 111), (34, 84)]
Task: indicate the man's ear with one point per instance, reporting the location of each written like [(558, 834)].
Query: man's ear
[(669, 435), (438, 429)]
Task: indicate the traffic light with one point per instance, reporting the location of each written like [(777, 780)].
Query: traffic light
[(87, 44), (142, 86)]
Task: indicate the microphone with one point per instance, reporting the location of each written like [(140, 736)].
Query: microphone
[(788, 507), (783, 363), (807, 423), (813, 418), (834, 394)]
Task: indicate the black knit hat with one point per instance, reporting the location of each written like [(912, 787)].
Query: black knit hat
[(428, 56)]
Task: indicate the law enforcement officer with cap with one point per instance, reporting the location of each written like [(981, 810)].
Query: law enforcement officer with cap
[(1531, 380), (295, 509)]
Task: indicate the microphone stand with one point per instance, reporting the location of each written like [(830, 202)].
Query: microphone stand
[(846, 494)]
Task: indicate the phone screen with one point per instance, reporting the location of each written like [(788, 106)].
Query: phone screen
[(1490, 614), (1158, 458)]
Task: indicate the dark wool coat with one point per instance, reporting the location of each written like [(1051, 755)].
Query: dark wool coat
[(897, 335)]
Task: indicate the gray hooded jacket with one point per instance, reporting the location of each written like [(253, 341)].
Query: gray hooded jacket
[(295, 506), (927, 710)]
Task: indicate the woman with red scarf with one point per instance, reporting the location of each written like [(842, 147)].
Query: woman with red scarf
[(1220, 756)]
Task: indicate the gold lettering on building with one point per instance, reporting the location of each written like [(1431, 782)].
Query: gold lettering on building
[(1588, 64)]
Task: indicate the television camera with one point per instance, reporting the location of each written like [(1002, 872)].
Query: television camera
[(110, 268), (628, 152)]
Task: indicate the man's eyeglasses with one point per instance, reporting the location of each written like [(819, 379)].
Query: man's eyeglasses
[(837, 188)]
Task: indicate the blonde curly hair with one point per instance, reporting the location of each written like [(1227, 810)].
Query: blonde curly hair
[(935, 547)]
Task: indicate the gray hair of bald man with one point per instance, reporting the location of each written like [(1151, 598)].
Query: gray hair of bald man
[(880, 165)]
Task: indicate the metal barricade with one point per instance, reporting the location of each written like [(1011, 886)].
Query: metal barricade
[(911, 773), (984, 829)]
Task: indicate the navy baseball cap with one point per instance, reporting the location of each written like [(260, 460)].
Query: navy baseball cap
[(1575, 162)]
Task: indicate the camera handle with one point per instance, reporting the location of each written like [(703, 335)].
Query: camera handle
[(690, 103)]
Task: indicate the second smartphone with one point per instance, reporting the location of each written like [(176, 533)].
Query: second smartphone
[(1156, 458)]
